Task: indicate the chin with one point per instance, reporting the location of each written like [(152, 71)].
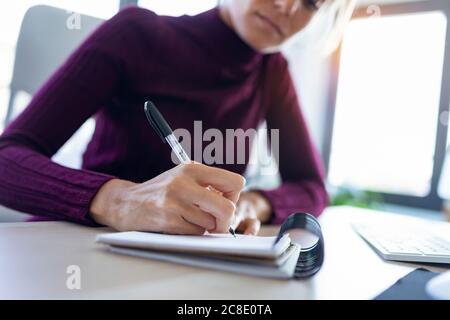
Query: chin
[(265, 47)]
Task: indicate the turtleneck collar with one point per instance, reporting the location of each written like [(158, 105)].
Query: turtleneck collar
[(223, 42)]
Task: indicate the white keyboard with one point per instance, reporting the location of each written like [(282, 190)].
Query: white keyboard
[(405, 243)]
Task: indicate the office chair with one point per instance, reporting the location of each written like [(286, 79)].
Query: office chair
[(44, 42)]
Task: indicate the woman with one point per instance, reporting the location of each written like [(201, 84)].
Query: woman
[(213, 67)]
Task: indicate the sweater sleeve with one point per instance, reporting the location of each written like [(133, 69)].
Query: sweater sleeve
[(29, 181), (302, 175)]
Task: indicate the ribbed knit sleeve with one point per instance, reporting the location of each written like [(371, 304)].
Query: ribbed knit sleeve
[(29, 181), (302, 188)]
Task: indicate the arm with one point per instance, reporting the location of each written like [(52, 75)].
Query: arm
[(301, 171), (29, 180), (175, 201)]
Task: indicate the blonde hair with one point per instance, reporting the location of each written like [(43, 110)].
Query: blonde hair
[(337, 14), (325, 31)]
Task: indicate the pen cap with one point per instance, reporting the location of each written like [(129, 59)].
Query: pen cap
[(157, 121)]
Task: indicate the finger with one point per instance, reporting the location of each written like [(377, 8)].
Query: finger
[(251, 226), (208, 201), (240, 214), (214, 190), (181, 226), (233, 224), (195, 215), (229, 183)]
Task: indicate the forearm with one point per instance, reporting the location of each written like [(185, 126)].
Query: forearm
[(32, 183), (300, 168), (308, 196)]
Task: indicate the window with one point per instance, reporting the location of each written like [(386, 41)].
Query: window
[(386, 134)]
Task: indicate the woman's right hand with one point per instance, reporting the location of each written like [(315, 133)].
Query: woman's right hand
[(178, 201)]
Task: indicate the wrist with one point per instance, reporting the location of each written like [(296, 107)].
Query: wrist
[(108, 201)]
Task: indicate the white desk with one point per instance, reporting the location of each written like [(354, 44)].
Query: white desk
[(34, 258)]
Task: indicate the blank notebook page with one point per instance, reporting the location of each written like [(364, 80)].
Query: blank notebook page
[(211, 243)]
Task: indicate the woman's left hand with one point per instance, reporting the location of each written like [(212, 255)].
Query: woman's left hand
[(252, 209)]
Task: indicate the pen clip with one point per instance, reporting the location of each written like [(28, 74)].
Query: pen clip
[(157, 121)]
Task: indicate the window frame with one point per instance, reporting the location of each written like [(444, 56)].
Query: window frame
[(432, 201)]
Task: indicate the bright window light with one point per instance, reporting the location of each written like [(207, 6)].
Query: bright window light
[(178, 7), (388, 103)]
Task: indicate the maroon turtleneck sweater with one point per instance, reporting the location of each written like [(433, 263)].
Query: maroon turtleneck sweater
[(194, 69)]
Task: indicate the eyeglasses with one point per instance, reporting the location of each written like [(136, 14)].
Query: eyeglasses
[(313, 4)]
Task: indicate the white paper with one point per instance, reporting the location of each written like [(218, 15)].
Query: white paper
[(243, 245), (284, 271)]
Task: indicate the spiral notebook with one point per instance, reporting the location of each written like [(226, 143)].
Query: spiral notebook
[(274, 257)]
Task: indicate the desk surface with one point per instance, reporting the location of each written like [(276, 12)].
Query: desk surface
[(34, 258)]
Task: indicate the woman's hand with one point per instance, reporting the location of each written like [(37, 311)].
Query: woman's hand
[(178, 201), (252, 210)]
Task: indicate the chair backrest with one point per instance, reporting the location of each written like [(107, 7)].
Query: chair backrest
[(47, 37)]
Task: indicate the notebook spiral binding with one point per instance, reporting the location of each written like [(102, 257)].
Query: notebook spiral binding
[(311, 258)]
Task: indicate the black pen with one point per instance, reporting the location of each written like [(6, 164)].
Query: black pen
[(162, 128)]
